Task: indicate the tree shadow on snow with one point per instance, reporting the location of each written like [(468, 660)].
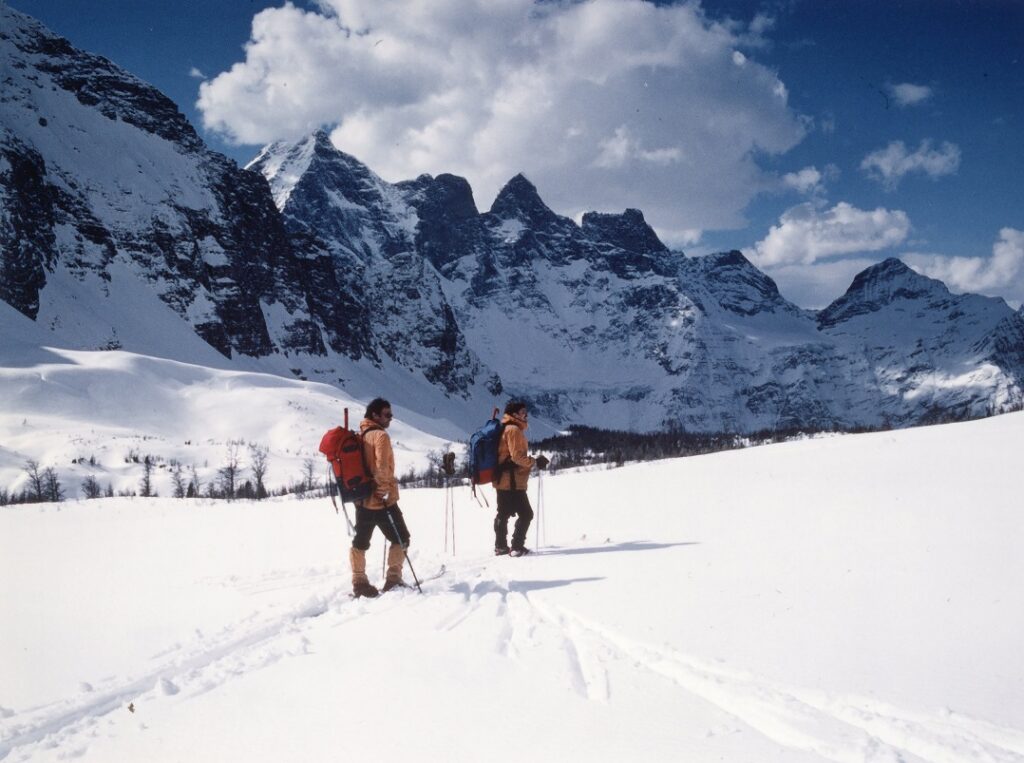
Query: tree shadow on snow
[(605, 548)]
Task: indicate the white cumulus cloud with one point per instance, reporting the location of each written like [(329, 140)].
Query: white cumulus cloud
[(1001, 274), (604, 104), (890, 164), (807, 233), (907, 94), (810, 181)]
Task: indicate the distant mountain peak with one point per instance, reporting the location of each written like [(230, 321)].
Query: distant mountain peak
[(519, 199), (628, 231), (893, 279), (878, 286), (314, 159), (449, 197)]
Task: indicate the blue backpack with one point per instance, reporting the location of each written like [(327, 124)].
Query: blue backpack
[(483, 452)]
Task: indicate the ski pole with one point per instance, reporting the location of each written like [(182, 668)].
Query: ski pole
[(405, 553), (540, 508), (330, 491), (446, 515), (451, 493)]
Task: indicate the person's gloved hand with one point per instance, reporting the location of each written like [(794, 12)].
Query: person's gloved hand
[(542, 461)]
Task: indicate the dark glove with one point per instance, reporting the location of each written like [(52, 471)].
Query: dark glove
[(542, 461), (448, 464)]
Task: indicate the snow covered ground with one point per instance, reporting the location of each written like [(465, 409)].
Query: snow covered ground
[(854, 598), (101, 413)]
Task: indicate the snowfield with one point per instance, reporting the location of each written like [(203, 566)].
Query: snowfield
[(854, 598)]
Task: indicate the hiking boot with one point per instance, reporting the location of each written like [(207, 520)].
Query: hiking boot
[(519, 552), (500, 551), (389, 584), (364, 589)]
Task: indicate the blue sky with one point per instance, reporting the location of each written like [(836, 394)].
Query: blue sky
[(818, 137)]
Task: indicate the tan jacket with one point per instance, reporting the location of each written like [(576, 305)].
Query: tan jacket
[(380, 460), (512, 447)]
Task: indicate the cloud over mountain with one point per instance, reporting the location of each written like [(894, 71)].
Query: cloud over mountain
[(604, 105), (1002, 273), (807, 233)]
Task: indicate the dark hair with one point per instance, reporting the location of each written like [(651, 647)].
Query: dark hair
[(514, 406), (375, 407)]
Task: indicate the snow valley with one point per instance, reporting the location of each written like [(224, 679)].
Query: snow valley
[(854, 598)]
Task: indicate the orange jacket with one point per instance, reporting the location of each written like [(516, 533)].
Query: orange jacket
[(512, 448), (380, 460)]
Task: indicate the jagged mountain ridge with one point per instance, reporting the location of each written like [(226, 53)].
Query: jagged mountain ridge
[(311, 264), (601, 323)]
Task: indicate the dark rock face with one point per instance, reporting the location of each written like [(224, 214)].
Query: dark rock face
[(99, 84), (447, 227), (628, 231), (26, 227), (202, 232)]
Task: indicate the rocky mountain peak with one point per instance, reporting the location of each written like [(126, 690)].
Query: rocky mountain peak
[(519, 200), (627, 231), (445, 197), (738, 286), (879, 286)]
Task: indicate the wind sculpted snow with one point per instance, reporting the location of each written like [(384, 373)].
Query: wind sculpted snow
[(851, 598)]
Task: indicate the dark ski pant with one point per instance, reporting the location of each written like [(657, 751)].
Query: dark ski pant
[(367, 520), (512, 503)]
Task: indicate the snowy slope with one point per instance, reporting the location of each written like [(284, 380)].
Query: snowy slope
[(853, 598), (86, 412)]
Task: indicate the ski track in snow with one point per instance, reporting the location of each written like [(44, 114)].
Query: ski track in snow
[(191, 670), (845, 729), (834, 727)]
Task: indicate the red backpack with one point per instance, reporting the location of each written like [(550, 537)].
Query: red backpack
[(344, 449)]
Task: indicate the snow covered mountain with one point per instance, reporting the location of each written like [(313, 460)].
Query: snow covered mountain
[(102, 176), (121, 230), (600, 323)]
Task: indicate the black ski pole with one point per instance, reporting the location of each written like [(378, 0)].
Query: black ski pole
[(331, 485)]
